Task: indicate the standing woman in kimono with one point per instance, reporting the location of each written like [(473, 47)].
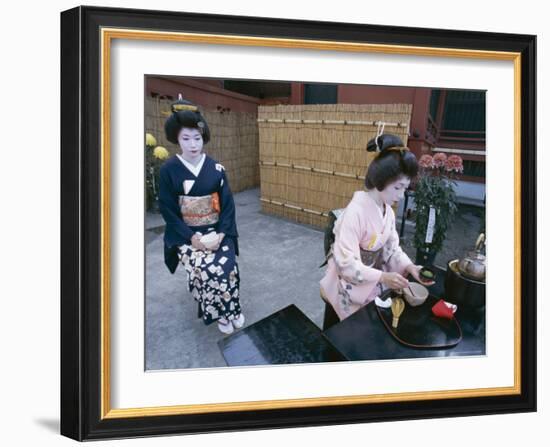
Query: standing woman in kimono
[(365, 257), (195, 201)]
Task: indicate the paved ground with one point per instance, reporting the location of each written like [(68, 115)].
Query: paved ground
[(279, 265)]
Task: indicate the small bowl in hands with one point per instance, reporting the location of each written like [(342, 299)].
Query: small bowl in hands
[(210, 240), (418, 296), (427, 275)]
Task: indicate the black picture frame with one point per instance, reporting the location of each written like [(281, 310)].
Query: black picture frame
[(83, 405)]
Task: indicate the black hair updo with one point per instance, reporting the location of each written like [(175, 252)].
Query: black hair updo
[(185, 114), (392, 161)]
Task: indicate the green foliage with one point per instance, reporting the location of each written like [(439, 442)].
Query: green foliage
[(152, 170), (436, 191)]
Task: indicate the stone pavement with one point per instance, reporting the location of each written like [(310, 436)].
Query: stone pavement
[(279, 265)]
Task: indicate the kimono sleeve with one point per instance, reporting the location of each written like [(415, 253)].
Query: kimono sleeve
[(393, 256), (346, 250), (169, 208), (227, 223)]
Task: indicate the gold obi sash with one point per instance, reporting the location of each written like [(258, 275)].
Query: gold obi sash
[(199, 211), (371, 258)]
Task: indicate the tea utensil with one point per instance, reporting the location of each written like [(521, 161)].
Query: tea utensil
[(397, 308)]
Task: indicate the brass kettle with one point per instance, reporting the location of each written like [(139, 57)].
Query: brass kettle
[(474, 264)]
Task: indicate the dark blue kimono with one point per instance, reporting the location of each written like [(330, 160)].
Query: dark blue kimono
[(213, 277), (210, 179)]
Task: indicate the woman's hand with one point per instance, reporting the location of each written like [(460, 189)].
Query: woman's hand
[(393, 280), (414, 271), (196, 242), (220, 239)]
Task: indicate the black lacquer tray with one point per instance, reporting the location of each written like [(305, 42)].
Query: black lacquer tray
[(419, 328)]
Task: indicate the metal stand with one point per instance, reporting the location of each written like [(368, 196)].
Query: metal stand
[(407, 195)]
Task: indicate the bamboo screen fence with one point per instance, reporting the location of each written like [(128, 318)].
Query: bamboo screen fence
[(313, 157), (233, 140)]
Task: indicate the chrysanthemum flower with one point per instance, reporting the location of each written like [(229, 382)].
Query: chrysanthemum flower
[(161, 153), (150, 140), (454, 163), (426, 161), (439, 160)]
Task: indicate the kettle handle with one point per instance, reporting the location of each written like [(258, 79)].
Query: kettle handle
[(480, 241)]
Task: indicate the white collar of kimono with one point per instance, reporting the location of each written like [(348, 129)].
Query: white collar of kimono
[(195, 169)]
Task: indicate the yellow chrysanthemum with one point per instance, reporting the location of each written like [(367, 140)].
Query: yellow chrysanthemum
[(150, 140), (161, 153)]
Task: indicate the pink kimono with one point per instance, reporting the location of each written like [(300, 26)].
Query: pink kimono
[(366, 244)]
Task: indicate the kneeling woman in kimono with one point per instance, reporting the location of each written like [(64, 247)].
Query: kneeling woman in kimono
[(365, 257), (195, 201)]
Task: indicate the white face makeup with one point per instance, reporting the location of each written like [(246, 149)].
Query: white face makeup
[(190, 141), (395, 191)]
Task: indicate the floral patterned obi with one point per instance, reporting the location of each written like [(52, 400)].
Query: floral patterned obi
[(199, 211)]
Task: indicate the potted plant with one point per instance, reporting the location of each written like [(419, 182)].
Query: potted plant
[(435, 201), (154, 157)]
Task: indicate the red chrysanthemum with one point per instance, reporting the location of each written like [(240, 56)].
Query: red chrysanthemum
[(439, 160), (426, 161), (454, 163)]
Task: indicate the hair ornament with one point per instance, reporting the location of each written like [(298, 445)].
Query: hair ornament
[(385, 142), (401, 149), (181, 107), (376, 147), (379, 132)]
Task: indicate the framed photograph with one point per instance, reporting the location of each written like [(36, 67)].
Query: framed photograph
[(283, 113)]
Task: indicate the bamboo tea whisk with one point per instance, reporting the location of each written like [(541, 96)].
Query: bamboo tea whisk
[(397, 308)]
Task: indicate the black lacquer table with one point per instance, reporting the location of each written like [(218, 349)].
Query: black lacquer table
[(285, 337), (362, 336), (288, 336)]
